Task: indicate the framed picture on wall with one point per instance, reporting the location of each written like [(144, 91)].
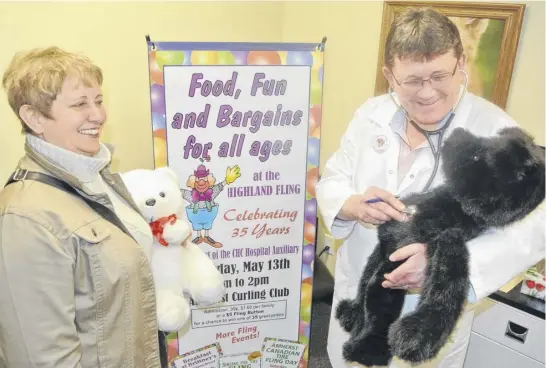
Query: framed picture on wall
[(490, 34)]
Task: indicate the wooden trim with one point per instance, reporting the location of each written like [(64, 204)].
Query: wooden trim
[(511, 14)]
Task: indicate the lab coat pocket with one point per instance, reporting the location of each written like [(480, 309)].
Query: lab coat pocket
[(377, 161), (370, 171)]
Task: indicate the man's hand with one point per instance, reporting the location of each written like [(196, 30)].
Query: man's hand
[(411, 273), (356, 208)]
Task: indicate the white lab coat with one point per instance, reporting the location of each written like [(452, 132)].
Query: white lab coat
[(496, 257)]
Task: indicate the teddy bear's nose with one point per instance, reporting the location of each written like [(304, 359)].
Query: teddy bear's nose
[(150, 202)]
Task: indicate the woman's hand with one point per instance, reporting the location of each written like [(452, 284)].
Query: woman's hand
[(356, 208), (411, 273)]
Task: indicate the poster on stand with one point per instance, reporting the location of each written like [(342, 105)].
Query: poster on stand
[(239, 123)]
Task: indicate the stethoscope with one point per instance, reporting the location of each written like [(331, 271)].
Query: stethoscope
[(430, 133)]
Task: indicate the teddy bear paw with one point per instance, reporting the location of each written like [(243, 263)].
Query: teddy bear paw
[(415, 341), (172, 312), (367, 350), (176, 233), (208, 292), (347, 314)]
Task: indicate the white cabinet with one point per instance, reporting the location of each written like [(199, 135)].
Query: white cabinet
[(505, 337), (485, 353)]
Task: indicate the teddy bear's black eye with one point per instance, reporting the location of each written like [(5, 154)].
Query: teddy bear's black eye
[(476, 158), (162, 195)]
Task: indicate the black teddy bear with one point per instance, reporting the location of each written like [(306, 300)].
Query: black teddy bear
[(489, 183)]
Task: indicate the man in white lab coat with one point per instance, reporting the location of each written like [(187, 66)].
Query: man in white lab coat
[(383, 155)]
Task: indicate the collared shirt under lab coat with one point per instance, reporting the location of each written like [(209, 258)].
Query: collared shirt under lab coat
[(495, 257)]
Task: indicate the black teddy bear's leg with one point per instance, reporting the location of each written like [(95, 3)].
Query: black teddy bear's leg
[(380, 306), (351, 313), (419, 336)]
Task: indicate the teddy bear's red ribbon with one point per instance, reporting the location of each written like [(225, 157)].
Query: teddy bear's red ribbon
[(158, 225)]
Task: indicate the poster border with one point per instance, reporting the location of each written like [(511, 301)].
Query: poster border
[(252, 53)]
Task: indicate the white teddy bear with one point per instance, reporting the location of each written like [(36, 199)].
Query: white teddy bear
[(178, 264)]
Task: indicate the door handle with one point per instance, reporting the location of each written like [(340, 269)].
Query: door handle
[(516, 332)]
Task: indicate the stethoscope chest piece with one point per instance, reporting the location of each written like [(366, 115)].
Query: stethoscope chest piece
[(410, 210), (380, 143)]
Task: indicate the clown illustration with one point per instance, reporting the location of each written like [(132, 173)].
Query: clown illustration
[(202, 210)]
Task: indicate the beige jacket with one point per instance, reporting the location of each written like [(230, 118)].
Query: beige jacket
[(75, 290)]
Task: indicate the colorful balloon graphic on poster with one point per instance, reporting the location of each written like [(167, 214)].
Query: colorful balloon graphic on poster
[(239, 54)]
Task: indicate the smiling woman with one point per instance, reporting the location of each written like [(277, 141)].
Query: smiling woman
[(75, 118), (72, 240)]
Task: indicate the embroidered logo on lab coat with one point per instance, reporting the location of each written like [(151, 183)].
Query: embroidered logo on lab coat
[(380, 143)]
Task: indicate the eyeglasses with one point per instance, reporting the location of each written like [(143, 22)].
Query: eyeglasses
[(414, 84)]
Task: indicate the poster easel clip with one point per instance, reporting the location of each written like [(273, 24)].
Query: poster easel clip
[(148, 40), (320, 46)]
